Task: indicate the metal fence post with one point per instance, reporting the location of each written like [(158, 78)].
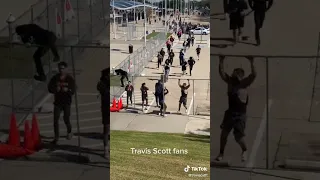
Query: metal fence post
[(314, 79), (78, 20), (91, 27), (134, 94), (267, 113), (193, 97), (31, 14), (76, 98), (10, 20)]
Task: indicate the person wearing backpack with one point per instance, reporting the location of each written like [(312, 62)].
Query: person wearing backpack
[(162, 54)]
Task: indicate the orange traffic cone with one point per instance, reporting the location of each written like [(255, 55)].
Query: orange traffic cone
[(14, 134), (35, 133), (120, 105), (28, 144), (114, 103)]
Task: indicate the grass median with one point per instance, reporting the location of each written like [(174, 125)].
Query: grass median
[(153, 34), (125, 164)]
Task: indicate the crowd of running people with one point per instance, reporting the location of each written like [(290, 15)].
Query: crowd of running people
[(165, 61)]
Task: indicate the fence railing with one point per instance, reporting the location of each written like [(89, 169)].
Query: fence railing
[(283, 98)]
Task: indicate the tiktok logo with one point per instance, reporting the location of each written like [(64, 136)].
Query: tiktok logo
[(186, 169)]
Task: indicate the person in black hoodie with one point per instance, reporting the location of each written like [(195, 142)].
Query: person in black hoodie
[(103, 88), (46, 40), (260, 7), (62, 85), (123, 74)]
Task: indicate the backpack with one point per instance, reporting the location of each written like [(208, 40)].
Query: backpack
[(159, 89)]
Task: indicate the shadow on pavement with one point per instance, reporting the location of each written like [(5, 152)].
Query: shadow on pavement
[(200, 138)]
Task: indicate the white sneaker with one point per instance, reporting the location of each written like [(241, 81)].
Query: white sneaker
[(178, 112), (244, 156), (186, 110)]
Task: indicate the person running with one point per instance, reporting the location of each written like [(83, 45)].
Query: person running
[(192, 40), (130, 90), (179, 34), (166, 72), (188, 42), (171, 56), (184, 95), (158, 90), (144, 95), (46, 40), (181, 57), (191, 62), (260, 7), (168, 46), (235, 115), (160, 57), (198, 50), (103, 88), (123, 74), (235, 9), (163, 105), (63, 86), (167, 62), (162, 54), (184, 67), (184, 45)]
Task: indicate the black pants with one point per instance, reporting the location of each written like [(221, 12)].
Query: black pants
[(40, 52), (235, 121), (129, 96), (159, 63), (106, 125), (157, 99), (190, 68), (122, 78), (66, 117), (259, 17), (171, 60)]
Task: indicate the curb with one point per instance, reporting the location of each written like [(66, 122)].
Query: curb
[(56, 157), (301, 164), (203, 113)]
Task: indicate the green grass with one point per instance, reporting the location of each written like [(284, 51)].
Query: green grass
[(114, 80), (153, 34), (127, 166)]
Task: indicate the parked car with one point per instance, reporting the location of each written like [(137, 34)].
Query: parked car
[(200, 30)]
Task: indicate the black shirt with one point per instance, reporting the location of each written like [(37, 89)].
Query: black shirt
[(62, 97)]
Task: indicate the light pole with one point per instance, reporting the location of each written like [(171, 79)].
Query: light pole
[(114, 20), (145, 23)]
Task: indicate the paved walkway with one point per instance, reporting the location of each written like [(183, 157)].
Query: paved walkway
[(290, 86)]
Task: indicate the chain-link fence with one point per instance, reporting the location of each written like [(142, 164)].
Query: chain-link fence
[(282, 103), (82, 20), (195, 101), (23, 95), (137, 61)]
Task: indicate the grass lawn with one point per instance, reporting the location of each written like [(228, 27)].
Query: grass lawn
[(114, 80), (153, 34), (127, 166)]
